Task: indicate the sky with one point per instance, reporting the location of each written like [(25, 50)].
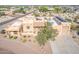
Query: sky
[(39, 2)]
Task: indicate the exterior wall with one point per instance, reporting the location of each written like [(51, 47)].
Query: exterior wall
[(29, 22), (9, 13), (28, 25), (66, 25), (13, 33), (58, 28), (36, 30), (63, 28), (27, 28)]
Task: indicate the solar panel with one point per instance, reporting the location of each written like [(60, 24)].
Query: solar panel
[(60, 19)]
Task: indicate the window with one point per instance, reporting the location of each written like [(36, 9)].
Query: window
[(15, 32), (38, 19), (24, 36), (28, 27), (34, 32), (29, 36)]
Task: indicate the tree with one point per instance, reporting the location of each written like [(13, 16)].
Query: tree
[(73, 26), (43, 9), (76, 18), (2, 13), (68, 10), (36, 14), (23, 39), (21, 10), (46, 34), (69, 20), (57, 9)]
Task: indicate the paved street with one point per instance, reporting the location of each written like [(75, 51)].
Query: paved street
[(8, 22), (64, 44)]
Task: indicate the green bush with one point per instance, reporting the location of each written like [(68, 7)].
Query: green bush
[(2, 13), (21, 10), (15, 37), (73, 26), (10, 37), (23, 39), (43, 9)]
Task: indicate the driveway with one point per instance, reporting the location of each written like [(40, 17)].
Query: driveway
[(64, 44)]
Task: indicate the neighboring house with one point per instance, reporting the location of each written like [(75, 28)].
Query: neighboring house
[(60, 24), (77, 11), (15, 29), (10, 11)]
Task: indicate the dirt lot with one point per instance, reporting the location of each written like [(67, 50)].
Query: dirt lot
[(29, 47)]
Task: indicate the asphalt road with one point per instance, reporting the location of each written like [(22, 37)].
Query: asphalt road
[(5, 23)]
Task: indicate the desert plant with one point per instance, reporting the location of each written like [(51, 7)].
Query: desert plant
[(47, 33)]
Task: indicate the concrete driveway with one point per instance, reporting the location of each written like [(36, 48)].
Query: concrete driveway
[(64, 44)]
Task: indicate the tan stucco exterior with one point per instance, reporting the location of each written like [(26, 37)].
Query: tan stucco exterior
[(30, 25)]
